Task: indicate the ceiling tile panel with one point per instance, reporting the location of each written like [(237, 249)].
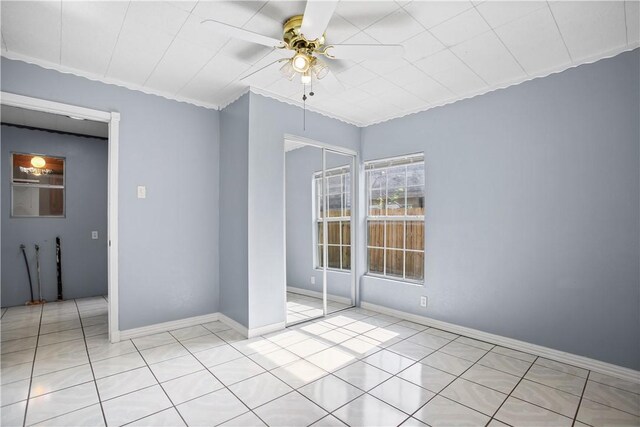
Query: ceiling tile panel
[(590, 27), (488, 57), (231, 12), (432, 13), (156, 15), (498, 13), (286, 88), (460, 28), (89, 33), (383, 67), (356, 75), (32, 28), (632, 12), (535, 42), (395, 28), (421, 46), (405, 76), (447, 69), (137, 53), (377, 86), (340, 29), (179, 64), (194, 31), (186, 5), (431, 91), (280, 11), (362, 15)]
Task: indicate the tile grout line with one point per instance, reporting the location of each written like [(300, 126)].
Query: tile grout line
[(158, 383), (35, 353), (217, 379), (86, 348), (584, 388)]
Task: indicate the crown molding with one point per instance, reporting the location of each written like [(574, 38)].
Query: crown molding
[(547, 73), (102, 79)]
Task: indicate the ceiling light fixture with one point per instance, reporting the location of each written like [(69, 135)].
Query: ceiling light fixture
[(305, 78), (301, 62), (38, 162)]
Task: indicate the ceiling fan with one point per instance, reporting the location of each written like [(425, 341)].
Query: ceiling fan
[(304, 35)]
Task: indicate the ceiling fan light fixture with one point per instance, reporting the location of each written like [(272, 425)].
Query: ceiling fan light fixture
[(301, 62), (287, 70), (305, 78), (319, 69)]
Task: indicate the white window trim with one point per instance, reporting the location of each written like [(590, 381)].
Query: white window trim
[(381, 165)]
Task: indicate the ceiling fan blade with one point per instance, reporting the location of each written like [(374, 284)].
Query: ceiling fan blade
[(242, 34), (380, 52), (273, 57), (317, 15)]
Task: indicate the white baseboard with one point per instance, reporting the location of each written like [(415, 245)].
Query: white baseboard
[(560, 356), (236, 326), (166, 326), (315, 294), (262, 330)]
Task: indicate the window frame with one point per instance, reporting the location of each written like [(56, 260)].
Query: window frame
[(385, 164), (62, 187), (316, 178)]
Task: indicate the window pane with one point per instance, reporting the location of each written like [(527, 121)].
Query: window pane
[(34, 169), (395, 234), (36, 201), (415, 174), (396, 190), (335, 205), (320, 255), (415, 235), (376, 260), (415, 200), (377, 181), (334, 184), (376, 233), (334, 256), (347, 194), (346, 257), (346, 232), (320, 234), (394, 263), (334, 232), (415, 265)]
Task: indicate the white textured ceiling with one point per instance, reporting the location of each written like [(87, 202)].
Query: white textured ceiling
[(453, 50)]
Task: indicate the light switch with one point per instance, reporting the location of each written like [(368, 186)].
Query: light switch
[(142, 192), (94, 235)]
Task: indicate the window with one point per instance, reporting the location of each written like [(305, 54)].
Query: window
[(37, 186), (338, 218), (395, 218)]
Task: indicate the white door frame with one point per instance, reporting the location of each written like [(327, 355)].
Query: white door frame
[(113, 120), (336, 149)]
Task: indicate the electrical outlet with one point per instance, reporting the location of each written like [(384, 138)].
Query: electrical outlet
[(313, 280), (94, 235), (142, 192), (423, 302)]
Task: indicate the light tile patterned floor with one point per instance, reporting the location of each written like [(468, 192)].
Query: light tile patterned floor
[(355, 367), (301, 308)]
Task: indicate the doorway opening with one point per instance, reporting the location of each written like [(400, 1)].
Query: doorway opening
[(320, 229), (49, 190)]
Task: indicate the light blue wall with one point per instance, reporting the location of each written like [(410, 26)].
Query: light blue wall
[(234, 175), (532, 211), (168, 241), (84, 267), (301, 165), (269, 121)]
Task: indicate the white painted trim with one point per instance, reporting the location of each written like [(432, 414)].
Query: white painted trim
[(262, 330), (102, 79), (112, 228), (312, 142), (560, 356), (236, 326), (316, 294), (113, 120), (168, 326)]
